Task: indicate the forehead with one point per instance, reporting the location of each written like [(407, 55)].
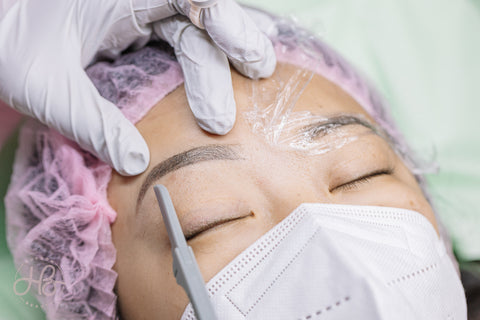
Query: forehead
[(171, 123), (296, 89)]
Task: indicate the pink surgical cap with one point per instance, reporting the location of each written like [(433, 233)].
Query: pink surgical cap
[(57, 208)]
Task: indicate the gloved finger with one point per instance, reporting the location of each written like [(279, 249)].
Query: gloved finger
[(208, 81), (117, 31), (264, 20), (5, 5), (148, 11), (232, 30), (75, 108), (247, 47)]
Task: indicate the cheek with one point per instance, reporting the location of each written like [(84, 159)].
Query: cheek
[(215, 252), (145, 285), (399, 190)]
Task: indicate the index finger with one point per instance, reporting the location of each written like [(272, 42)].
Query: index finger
[(236, 34)]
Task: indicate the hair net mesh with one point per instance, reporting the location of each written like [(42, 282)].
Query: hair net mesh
[(57, 207)]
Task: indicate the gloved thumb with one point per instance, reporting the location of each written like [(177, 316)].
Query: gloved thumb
[(96, 125)]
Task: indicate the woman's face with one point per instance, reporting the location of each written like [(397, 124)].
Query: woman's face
[(230, 190)]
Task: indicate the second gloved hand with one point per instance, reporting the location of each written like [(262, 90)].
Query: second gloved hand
[(45, 46)]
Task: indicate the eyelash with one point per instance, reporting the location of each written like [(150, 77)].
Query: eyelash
[(212, 226), (355, 184)]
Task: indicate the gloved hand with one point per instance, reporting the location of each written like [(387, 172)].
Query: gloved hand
[(46, 44)]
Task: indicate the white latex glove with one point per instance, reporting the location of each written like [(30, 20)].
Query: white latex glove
[(230, 34), (46, 44)]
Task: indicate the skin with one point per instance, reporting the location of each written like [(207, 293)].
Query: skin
[(262, 188)]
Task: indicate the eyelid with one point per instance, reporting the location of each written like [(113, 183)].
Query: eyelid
[(363, 179), (212, 225), (211, 212)]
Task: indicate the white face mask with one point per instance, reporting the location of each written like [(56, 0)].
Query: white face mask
[(341, 262)]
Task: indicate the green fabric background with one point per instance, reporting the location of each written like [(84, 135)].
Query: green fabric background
[(423, 56)]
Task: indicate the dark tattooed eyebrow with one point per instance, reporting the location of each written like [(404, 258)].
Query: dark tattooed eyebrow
[(186, 158)]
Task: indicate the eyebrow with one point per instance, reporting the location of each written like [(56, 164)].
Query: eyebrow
[(186, 158), (324, 127)]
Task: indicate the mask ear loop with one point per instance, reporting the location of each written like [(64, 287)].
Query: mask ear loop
[(185, 267)]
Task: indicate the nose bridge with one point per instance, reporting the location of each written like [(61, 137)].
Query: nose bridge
[(286, 179)]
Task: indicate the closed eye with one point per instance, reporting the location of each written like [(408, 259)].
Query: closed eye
[(357, 183), (214, 224)]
